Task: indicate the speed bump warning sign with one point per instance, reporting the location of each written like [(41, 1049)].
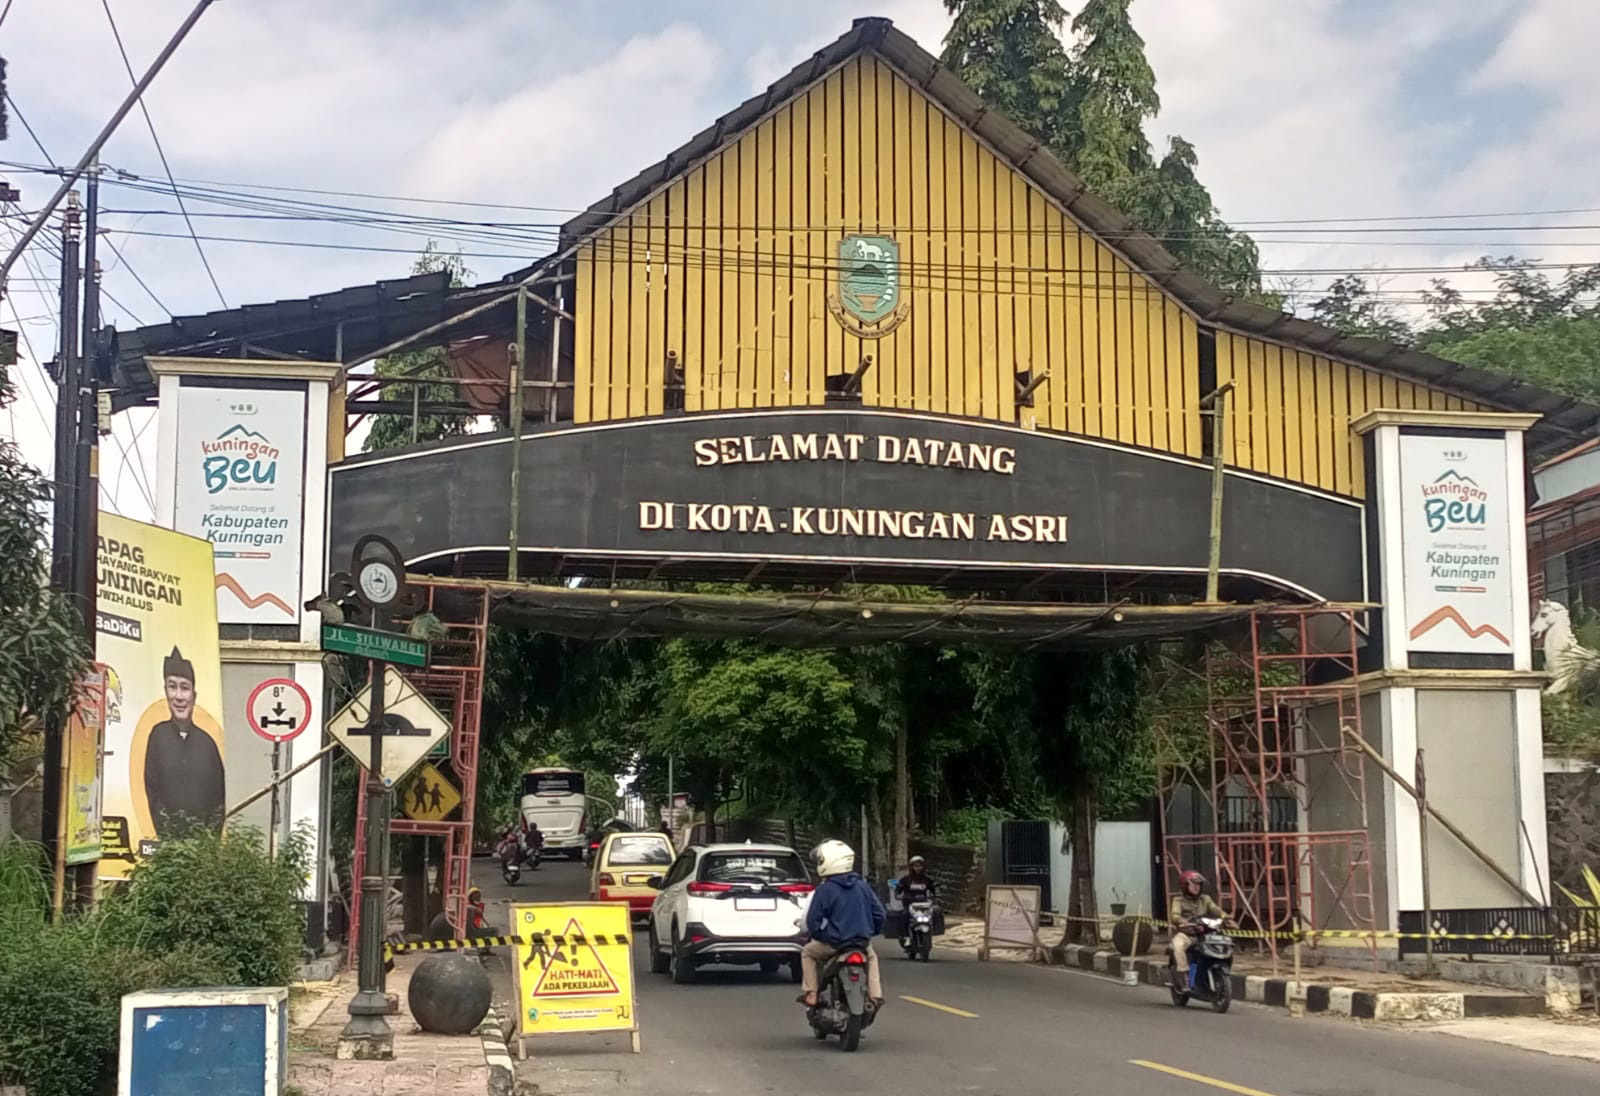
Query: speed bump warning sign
[(574, 969)]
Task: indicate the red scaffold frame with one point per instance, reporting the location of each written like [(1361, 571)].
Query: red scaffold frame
[(453, 682), (1272, 873)]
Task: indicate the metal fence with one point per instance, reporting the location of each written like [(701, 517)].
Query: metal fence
[(1563, 930), (1469, 932)]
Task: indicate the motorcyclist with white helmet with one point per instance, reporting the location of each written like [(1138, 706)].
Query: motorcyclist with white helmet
[(842, 909)]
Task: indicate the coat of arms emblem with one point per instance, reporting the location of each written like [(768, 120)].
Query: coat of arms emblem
[(868, 300)]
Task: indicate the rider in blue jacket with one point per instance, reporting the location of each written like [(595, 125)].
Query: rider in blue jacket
[(842, 909)]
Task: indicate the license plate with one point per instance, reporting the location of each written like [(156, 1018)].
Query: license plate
[(635, 880), (755, 904)]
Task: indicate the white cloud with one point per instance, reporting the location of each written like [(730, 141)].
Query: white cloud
[(576, 135)]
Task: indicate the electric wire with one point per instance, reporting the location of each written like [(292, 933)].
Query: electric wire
[(155, 139)]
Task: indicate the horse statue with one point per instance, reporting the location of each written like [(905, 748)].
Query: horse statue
[(1564, 657)]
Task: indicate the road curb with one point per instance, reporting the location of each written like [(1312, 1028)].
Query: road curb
[(502, 1073), (1339, 1000)]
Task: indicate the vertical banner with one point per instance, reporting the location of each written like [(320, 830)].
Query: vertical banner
[(240, 485), (81, 805), (156, 624), (1456, 533)]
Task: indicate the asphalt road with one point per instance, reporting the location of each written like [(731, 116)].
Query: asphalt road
[(1019, 1030)]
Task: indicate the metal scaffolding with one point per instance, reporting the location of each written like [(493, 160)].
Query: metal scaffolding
[(453, 682), (1277, 769)]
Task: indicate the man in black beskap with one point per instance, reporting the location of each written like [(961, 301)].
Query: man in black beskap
[(183, 776)]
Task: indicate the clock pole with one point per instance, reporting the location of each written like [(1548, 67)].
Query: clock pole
[(379, 584)]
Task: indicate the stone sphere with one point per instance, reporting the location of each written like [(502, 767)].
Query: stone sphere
[(1132, 936), (449, 994)]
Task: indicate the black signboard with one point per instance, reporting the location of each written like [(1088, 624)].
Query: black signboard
[(832, 486)]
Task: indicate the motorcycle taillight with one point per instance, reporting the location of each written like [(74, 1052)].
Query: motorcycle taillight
[(855, 959)]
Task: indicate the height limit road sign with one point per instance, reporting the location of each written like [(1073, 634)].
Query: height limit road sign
[(411, 726), (278, 709)]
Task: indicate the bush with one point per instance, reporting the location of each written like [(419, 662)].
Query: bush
[(203, 911), (968, 826), (224, 895), (61, 988)]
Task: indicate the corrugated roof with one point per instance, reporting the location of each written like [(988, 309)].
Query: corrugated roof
[(1564, 416), (374, 315)]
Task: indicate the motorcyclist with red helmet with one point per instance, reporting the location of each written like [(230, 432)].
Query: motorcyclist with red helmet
[(1188, 906)]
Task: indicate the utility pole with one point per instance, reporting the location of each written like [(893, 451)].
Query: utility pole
[(86, 466), (86, 478), (62, 569)]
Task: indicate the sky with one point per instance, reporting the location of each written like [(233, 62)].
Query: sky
[(1477, 113)]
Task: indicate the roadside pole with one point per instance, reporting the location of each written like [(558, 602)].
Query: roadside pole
[(369, 1009), (1422, 842), (63, 571)]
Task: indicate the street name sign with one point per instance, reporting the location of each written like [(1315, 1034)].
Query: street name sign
[(411, 727), (370, 643)]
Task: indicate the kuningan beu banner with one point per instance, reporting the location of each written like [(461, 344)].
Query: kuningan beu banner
[(156, 636)]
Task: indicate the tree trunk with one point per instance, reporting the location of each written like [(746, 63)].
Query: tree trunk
[(414, 885), (876, 840), (902, 792), (1081, 905)]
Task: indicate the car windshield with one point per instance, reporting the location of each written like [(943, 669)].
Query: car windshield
[(755, 866), (646, 848)]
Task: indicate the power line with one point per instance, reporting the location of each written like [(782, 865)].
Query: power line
[(161, 152), (122, 259)]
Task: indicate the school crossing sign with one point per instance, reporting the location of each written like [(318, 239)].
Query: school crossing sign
[(574, 969)]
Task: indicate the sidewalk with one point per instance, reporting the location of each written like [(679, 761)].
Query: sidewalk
[(423, 1064), (1577, 1037)]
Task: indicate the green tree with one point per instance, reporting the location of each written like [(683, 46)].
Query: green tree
[(1542, 331), (1090, 108), (42, 650), (1094, 750), (740, 713), (1351, 305), (1010, 53), (390, 431)]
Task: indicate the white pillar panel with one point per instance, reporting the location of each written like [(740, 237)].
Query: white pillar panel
[(1386, 448), (1534, 841), (1517, 505), (1404, 825)]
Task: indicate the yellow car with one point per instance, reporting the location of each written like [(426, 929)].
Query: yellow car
[(624, 867)]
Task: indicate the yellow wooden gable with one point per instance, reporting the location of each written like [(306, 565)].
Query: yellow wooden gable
[(726, 277)]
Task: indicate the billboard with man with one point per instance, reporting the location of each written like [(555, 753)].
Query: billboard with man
[(156, 632)]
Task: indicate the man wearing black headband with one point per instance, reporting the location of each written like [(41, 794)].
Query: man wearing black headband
[(183, 777)]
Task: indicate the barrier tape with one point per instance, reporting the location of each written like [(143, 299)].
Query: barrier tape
[(1336, 934), (537, 940)]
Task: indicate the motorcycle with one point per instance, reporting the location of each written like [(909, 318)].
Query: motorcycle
[(917, 939), (1210, 966), (842, 1006), (513, 855)]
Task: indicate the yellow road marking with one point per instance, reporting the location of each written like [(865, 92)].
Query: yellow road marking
[(1199, 1078), (941, 1008)]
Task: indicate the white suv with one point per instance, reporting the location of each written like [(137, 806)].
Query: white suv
[(742, 904)]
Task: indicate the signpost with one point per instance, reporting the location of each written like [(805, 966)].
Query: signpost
[(278, 709), (388, 733), (574, 970), (369, 643)]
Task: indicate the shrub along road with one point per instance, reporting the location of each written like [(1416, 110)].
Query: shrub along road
[(960, 1026)]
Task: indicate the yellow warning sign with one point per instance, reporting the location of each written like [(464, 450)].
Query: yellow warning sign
[(428, 796), (574, 968)]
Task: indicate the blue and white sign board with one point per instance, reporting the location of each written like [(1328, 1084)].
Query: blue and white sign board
[(204, 1042)]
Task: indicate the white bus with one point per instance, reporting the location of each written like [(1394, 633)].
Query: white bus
[(553, 798)]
